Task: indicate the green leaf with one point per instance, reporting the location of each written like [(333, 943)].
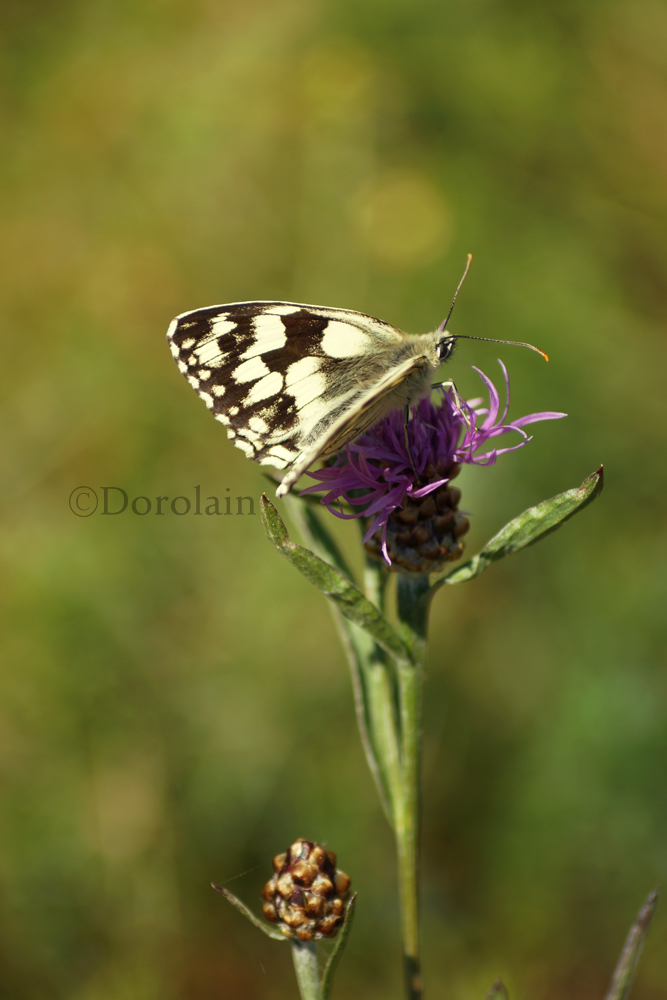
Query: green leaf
[(273, 523), (271, 932), (349, 600), (626, 969), (315, 533), (498, 991), (526, 529), (359, 647), (341, 941)]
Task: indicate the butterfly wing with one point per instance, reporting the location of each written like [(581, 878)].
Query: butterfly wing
[(280, 375), (372, 406)]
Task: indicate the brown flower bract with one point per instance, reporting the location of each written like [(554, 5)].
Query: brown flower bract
[(307, 894)]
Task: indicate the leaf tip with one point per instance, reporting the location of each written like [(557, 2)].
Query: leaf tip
[(598, 478), (272, 521), (645, 915), (498, 991)]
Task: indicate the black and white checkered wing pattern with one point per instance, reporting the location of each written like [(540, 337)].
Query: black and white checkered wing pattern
[(278, 374)]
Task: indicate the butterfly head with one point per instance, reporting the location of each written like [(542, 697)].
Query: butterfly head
[(445, 348)]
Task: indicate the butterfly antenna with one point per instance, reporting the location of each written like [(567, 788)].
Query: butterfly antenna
[(443, 325), (489, 340), (512, 343)]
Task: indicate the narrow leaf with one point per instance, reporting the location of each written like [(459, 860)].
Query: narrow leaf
[(498, 991), (316, 534), (273, 522), (358, 645), (350, 601), (526, 529), (626, 969), (339, 948), (242, 908)]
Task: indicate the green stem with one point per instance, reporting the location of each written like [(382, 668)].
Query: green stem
[(381, 698), (304, 954), (388, 695), (407, 827), (413, 616), (383, 728), (360, 651), (398, 748)]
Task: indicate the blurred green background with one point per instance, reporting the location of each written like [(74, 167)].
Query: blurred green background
[(175, 704)]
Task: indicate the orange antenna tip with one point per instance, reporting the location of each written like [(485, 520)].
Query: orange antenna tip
[(511, 343)]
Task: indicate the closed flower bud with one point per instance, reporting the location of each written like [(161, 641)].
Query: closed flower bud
[(304, 873), (269, 890), (306, 897)]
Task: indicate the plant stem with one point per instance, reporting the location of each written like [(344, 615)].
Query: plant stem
[(407, 825), (388, 696), (381, 698), (304, 954), (397, 738), (384, 729), (413, 614)]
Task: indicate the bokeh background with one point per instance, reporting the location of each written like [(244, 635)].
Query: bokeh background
[(175, 704)]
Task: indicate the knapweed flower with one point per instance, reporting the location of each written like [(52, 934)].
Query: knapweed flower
[(400, 478), (307, 894)]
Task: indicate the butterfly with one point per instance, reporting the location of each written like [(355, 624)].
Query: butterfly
[(294, 383)]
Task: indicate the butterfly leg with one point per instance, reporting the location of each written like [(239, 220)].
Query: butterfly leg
[(447, 386), (463, 407), (406, 417)]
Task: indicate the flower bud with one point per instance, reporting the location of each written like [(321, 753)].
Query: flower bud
[(307, 895), (424, 534)]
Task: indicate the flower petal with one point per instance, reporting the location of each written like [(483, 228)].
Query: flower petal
[(377, 472)]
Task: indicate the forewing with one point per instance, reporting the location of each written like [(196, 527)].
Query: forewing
[(357, 418), (272, 371)]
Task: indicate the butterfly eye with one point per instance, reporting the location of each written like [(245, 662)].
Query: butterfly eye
[(445, 348)]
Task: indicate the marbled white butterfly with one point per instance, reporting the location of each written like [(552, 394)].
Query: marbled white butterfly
[(294, 383)]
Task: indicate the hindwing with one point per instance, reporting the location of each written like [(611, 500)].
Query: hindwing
[(353, 421), (285, 379)]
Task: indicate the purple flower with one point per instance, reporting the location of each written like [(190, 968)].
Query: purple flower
[(379, 475)]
